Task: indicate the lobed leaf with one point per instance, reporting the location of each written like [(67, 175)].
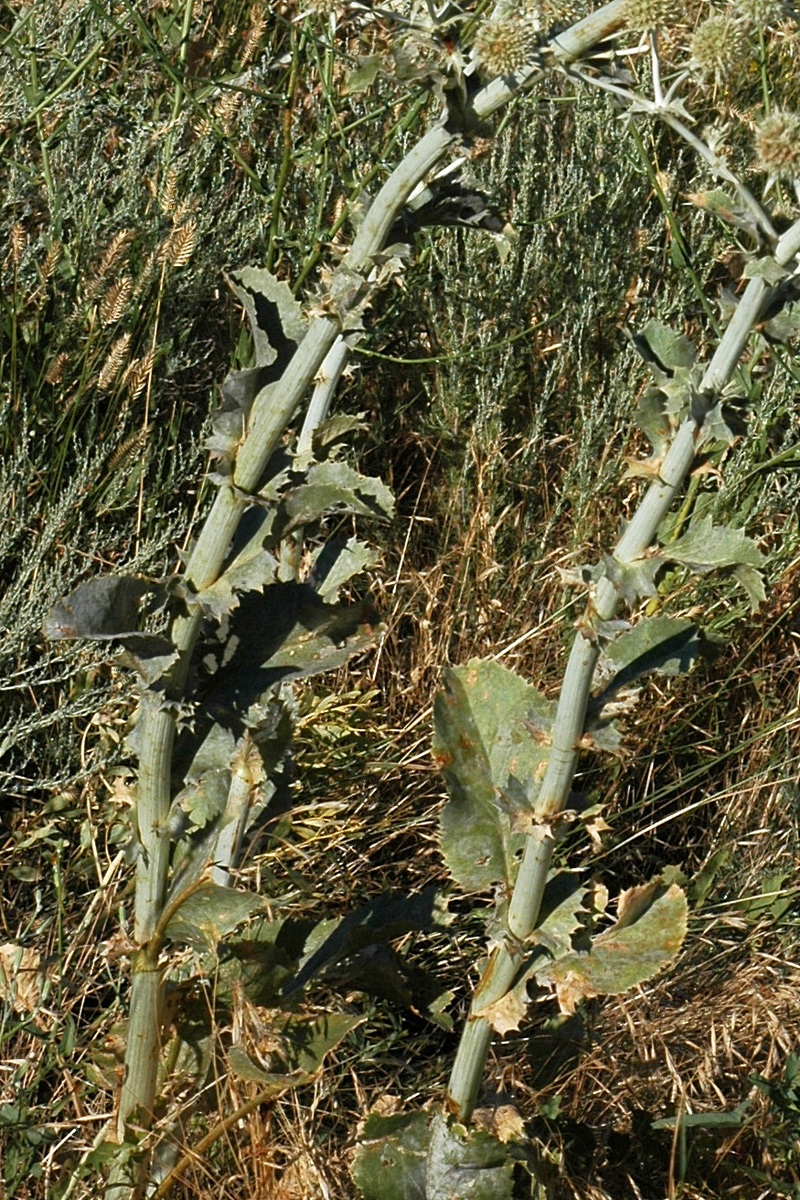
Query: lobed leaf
[(706, 546), (662, 348), (286, 632), (647, 936), (666, 645), (336, 487)]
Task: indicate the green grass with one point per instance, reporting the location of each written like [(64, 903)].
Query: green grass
[(139, 165)]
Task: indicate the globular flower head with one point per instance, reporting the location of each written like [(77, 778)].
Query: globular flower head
[(778, 145), (719, 47), (322, 8), (645, 15), (763, 14), (506, 44)]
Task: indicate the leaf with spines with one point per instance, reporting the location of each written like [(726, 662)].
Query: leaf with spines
[(380, 922), (277, 326), (208, 913), (391, 1157), (252, 569), (335, 487), (652, 418), (646, 937), (207, 780), (663, 349), (767, 269), (666, 645), (491, 727), (705, 547), (634, 580), (336, 563), (286, 632)]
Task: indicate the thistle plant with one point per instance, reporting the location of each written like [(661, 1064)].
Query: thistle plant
[(262, 600)]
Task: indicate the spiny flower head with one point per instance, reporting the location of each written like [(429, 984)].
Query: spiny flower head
[(719, 47), (763, 14), (778, 145), (506, 44), (652, 14)]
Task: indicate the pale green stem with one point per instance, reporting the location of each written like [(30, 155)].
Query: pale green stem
[(504, 963), (267, 422)]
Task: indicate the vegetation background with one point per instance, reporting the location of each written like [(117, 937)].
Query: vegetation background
[(144, 150)]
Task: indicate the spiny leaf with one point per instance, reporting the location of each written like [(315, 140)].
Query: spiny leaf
[(250, 571), (706, 546), (331, 433), (261, 958), (336, 487), (765, 268), (490, 728), (286, 632), (336, 563), (467, 1163), (275, 315), (652, 418), (562, 914), (208, 779), (716, 427), (634, 580), (149, 654), (306, 1040), (666, 645), (391, 1157), (242, 1066), (381, 921), (100, 609), (662, 348), (209, 912), (277, 326), (304, 1043), (646, 937)]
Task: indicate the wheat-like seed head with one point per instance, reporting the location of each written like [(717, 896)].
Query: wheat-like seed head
[(114, 257), (55, 372), (17, 239), (167, 197), (52, 259), (113, 303), (138, 373), (258, 23), (116, 357), (129, 448), (179, 246)]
